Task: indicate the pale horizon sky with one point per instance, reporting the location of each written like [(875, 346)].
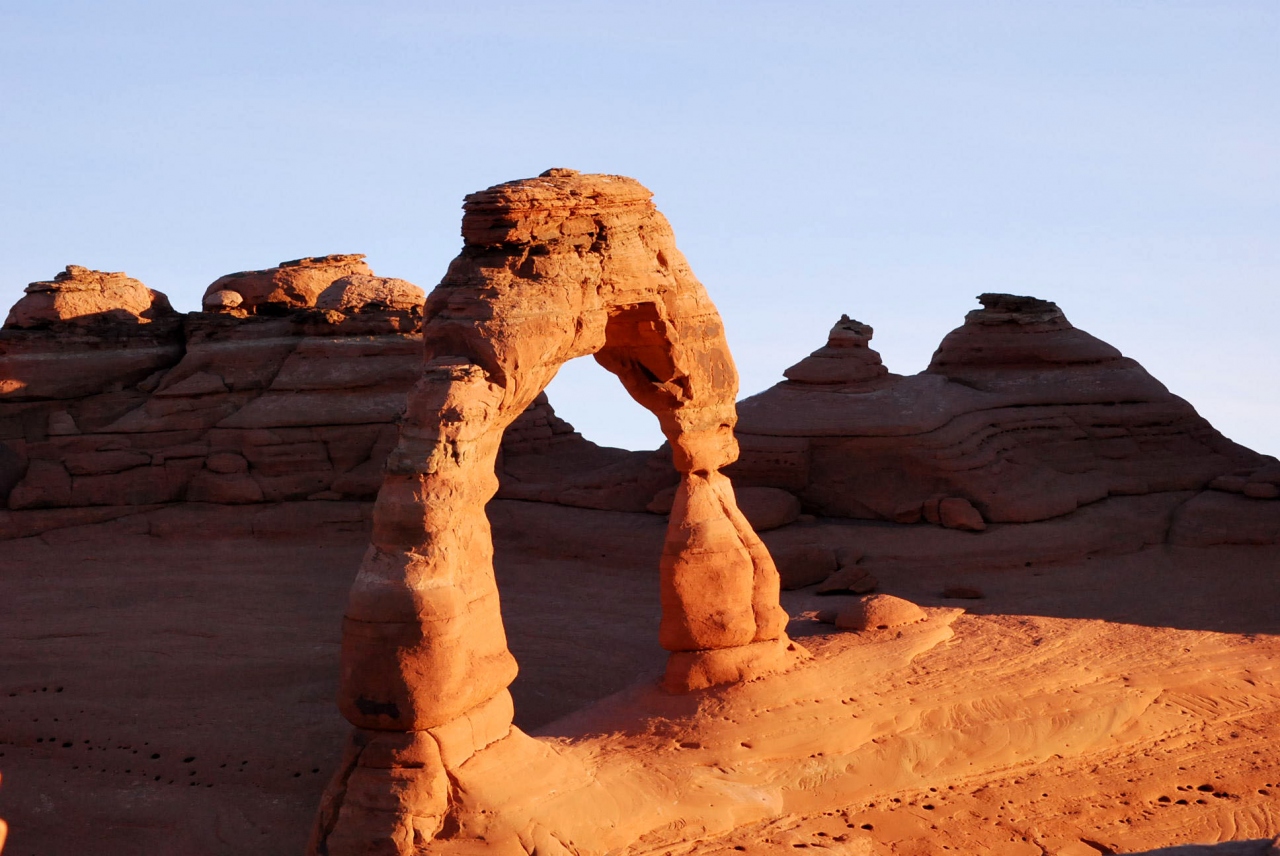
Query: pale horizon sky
[(885, 160)]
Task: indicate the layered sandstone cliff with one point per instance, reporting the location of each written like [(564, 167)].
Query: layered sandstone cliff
[(107, 411), (110, 401), (1020, 417)]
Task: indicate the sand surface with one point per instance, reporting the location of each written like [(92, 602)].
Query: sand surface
[(175, 696)]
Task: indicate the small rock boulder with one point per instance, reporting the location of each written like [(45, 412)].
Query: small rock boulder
[(929, 510), (767, 507), (846, 556), (804, 564), (358, 292), (912, 512), (957, 513), (878, 612), (82, 296), (221, 301)]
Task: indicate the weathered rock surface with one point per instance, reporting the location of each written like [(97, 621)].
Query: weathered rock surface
[(226, 408), (79, 296), (804, 564), (767, 507), (205, 408), (543, 459), (1115, 680), (1019, 417), (362, 292), (878, 612), (296, 284), (846, 359), (850, 579)]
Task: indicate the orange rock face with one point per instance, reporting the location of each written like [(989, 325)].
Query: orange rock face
[(360, 292), (233, 408), (846, 359), (553, 268), (291, 285), (1020, 417), (210, 407), (82, 297)]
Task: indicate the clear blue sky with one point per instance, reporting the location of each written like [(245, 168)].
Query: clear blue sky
[(889, 160)]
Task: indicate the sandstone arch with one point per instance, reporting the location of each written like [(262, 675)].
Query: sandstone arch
[(552, 268)]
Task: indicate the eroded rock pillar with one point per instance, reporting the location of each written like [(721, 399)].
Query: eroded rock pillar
[(425, 664), (720, 614)]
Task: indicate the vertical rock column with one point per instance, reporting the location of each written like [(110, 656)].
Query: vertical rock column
[(721, 619), (425, 665)]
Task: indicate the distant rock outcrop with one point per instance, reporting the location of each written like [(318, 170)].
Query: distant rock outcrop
[(82, 297), (1019, 417), (99, 419), (297, 284), (847, 359)]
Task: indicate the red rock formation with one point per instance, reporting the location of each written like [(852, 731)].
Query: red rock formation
[(79, 296), (297, 284), (206, 408), (1020, 417), (553, 268), (846, 359), (365, 292), (544, 460), (878, 612), (232, 408)]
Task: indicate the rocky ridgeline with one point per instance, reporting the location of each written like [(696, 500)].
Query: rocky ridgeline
[(1020, 417), (286, 388)]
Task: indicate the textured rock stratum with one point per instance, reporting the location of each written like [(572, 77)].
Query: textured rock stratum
[(100, 419), (1020, 417), (81, 297), (296, 284)]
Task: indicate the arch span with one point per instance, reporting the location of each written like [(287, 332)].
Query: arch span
[(552, 268)]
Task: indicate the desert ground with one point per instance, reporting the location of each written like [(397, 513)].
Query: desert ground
[(171, 693)]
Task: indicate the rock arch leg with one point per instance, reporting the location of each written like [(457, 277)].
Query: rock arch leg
[(720, 614), (425, 665), (553, 268), (423, 640)]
